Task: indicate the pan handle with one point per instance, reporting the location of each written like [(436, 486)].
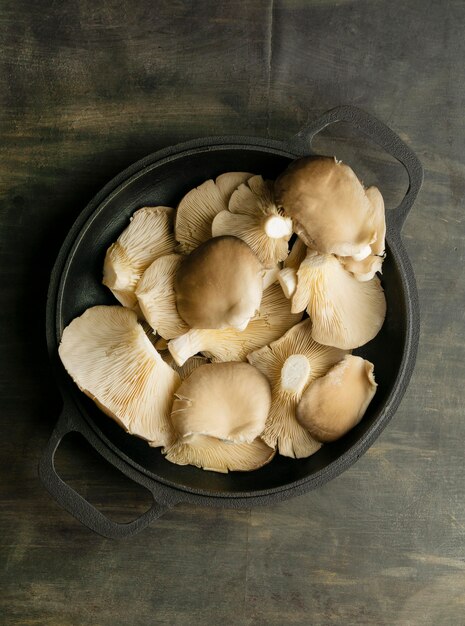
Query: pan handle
[(380, 134), (74, 503)]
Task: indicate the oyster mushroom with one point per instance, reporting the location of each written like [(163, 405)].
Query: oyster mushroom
[(197, 209), (291, 364), (288, 275), (108, 355), (346, 313), (229, 344), (336, 402), (329, 206), (216, 455), (219, 285), (148, 236), (156, 297), (253, 217), (229, 401)]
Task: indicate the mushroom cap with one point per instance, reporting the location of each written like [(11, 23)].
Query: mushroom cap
[(225, 400), (229, 344), (328, 205), (219, 285), (197, 209), (254, 218), (156, 297), (216, 455), (148, 236), (291, 364), (108, 355), (346, 313), (336, 402)]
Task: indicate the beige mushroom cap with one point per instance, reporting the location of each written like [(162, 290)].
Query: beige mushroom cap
[(291, 364), (110, 358), (335, 403), (328, 205), (148, 236), (346, 313), (197, 209), (216, 455), (229, 344), (219, 285), (229, 401), (156, 297), (253, 217)]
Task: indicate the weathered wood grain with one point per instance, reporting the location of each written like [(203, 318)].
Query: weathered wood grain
[(86, 89)]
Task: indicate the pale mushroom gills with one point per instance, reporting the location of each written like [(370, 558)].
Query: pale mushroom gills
[(111, 359)]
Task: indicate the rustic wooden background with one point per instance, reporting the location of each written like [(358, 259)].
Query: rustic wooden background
[(87, 88)]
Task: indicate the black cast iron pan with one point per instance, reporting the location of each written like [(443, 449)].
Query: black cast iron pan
[(163, 178)]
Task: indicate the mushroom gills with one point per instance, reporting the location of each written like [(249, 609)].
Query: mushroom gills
[(148, 236), (215, 455), (110, 358)]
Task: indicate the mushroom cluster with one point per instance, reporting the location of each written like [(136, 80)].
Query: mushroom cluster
[(237, 315)]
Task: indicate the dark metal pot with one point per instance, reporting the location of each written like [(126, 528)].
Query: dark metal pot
[(163, 178)]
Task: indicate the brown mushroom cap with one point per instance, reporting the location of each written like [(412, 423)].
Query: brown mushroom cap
[(229, 401), (335, 403), (110, 358), (219, 285), (328, 205)]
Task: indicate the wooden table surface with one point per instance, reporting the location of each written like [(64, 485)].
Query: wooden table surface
[(86, 89)]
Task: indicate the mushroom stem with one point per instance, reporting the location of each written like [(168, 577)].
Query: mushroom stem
[(295, 374), (363, 254), (277, 226), (288, 280), (185, 346)]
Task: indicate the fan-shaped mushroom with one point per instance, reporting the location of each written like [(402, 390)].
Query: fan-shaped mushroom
[(253, 217), (336, 402), (219, 285), (197, 209), (346, 313), (225, 400), (156, 297), (110, 358), (229, 344), (291, 363), (216, 455), (148, 236), (328, 205)]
